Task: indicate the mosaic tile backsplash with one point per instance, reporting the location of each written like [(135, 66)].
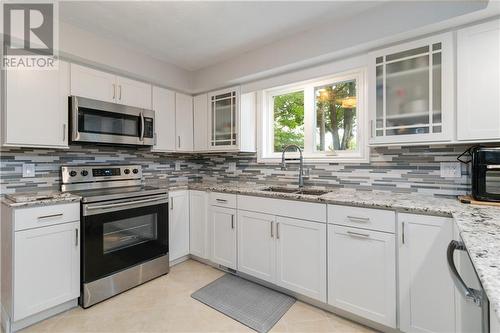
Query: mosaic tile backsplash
[(398, 169)]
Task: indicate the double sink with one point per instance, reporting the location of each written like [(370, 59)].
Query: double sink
[(304, 191)]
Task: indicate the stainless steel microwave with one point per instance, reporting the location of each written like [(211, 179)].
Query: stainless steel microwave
[(96, 121)]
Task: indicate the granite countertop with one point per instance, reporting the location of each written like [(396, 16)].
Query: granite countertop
[(42, 198), (479, 226)]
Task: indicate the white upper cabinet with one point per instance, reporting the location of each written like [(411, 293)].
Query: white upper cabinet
[(231, 120), (478, 82), (426, 287), (200, 122), (133, 93), (184, 122), (33, 98), (164, 108), (99, 85), (411, 92)]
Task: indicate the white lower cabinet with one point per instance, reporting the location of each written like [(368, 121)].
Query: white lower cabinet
[(198, 223), (301, 257), (256, 245), (223, 232), (426, 288), (362, 273), (40, 262), (46, 268), (178, 225)]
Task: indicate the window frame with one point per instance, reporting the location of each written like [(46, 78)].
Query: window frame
[(266, 120)]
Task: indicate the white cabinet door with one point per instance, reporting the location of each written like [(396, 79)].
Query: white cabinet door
[(34, 98), (224, 111), (494, 321), (426, 288), (184, 122), (478, 82), (46, 268), (133, 93), (412, 91), (91, 83), (223, 230), (164, 108), (256, 245), (362, 273), (178, 223), (301, 257), (198, 222), (200, 114)]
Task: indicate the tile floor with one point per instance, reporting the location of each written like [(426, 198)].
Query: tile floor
[(165, 305)]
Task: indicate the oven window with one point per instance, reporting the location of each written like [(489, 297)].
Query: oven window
[(128, 232), (493, 181), (101, 122)]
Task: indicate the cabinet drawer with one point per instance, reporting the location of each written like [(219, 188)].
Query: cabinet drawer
[(223, 199), (35, 217), (367, 218)]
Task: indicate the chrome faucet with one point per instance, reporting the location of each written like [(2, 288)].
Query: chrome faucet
[(301, 161)]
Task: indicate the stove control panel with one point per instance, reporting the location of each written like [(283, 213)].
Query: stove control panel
[(95, 173)]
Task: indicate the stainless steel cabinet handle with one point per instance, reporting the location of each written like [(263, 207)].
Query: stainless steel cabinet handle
[(64, 132), (371, 128), (114, 91), (50, 216), (179, 141), (278, 230), (272, 227), (155, 139), (357, 234), (232, 221), (221, 200), (171, 203), (358, 219), (120, 94), (76, 237)]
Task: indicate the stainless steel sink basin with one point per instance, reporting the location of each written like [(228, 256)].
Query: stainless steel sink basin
[(312, 192), (280, 189), (295, 190)]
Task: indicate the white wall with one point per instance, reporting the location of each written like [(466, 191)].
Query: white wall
[(379, 26), (87, 48)]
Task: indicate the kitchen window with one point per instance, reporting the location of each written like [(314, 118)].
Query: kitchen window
[(324, 117)]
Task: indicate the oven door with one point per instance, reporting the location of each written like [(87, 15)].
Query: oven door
[(104, 122), (122, 233)]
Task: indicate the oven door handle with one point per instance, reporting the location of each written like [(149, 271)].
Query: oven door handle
[(126, 203)]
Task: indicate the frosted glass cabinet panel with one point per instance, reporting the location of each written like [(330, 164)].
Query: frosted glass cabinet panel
[(223, 117), (412, 94)]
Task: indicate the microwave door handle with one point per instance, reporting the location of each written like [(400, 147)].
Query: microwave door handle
[(75, 132), (142, 127), (469, 293)]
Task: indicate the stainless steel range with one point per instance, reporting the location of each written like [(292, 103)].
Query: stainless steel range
[(124, 228)]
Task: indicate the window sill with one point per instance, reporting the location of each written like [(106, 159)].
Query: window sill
[(315, 159)]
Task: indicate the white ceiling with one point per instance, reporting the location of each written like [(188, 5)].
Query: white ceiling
[(195, 35)]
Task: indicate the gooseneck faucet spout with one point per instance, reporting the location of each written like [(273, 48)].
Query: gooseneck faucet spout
[(301, 162)]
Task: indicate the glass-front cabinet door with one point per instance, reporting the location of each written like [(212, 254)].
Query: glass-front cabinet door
[(223, 119), (411, 92)]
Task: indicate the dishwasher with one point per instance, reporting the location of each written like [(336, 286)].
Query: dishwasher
[(472, 302)]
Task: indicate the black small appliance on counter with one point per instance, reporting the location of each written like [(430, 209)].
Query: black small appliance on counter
[(485, 173)]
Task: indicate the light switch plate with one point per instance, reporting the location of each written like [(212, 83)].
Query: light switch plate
[(231, 167), (177, 166), (28, 170), (451, 169)]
